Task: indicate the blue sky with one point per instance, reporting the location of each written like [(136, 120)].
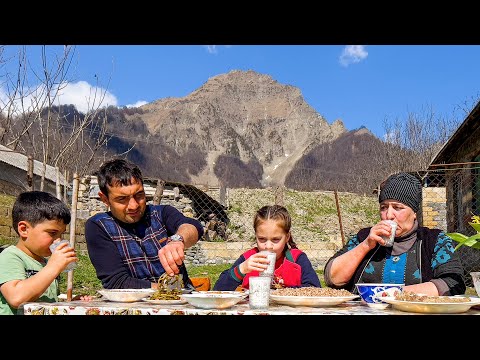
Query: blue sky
[(361, 85)]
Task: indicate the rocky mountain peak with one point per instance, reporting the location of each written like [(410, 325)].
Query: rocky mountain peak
[(243, 115)]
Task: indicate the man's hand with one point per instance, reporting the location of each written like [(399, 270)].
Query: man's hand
[(171, 256)]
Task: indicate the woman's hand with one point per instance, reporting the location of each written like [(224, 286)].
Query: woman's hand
[(382, 228)]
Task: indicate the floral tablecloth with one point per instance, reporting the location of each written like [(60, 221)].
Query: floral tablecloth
[(144, 308)]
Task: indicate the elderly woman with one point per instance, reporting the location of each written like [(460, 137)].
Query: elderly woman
[(421, 258)]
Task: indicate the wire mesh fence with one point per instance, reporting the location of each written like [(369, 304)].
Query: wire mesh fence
[(451, 195)]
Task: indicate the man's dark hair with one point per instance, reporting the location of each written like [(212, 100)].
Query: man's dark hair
[(118, 172), (38, 206)]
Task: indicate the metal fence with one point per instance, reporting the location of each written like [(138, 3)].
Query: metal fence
[(451, 196)]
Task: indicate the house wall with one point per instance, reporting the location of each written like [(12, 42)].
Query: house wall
[(14, 180)]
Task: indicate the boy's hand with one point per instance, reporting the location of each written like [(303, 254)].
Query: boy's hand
[(63, 255)]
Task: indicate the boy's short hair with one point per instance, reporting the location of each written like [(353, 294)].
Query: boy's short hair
[(117, 172), (38, 206)]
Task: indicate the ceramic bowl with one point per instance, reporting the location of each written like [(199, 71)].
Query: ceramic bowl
[(214, 299), (476, 281), (125, 295), (373, 292)]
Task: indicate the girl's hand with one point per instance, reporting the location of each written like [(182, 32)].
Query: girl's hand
[(257, 262)]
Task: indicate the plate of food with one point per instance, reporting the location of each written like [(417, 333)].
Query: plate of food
[(311, 296), (166, 302), (418, 303)]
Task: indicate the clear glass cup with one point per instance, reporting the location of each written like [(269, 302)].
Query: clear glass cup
[(70, 266), (259, 292), (389, 240), (272, 257)]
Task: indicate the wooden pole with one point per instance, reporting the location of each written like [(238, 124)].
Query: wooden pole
[(279, 195), (222, 195), (339, 217), (65, 186), (30, 182), (157, 197), (73, 223), (58, 187), (176, 193)]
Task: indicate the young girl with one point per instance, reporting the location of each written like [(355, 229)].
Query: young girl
[(272, 231)]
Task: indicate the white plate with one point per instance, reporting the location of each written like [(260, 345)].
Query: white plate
[(166, 302), (432, 307), (125, 295), (215, 299), (315, 301)]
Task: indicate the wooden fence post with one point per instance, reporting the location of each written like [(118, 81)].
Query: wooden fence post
[(30, 182), (73, 224), (222, 194), (279, 200), (58, 187), (157, 197), (339, 217)]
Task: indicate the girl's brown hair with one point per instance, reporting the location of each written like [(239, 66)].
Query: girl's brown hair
[(279, 214)]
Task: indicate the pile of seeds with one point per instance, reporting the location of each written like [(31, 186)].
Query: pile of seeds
[(311, 291), (410, 296)]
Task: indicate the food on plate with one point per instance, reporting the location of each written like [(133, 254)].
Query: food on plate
[(311, 291), (410, 296), (169, 288)]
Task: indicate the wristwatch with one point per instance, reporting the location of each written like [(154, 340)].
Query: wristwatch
[(177, 237)]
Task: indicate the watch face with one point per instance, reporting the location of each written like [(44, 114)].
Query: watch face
[(176, 237)]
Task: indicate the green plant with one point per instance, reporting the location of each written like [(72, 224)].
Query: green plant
[(473, 240), (85, 281)]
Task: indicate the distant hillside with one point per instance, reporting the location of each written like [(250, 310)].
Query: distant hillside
[(352, 162)]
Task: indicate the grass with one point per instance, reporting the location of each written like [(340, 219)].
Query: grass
[(85, 281)]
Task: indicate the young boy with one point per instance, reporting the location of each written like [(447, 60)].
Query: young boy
[(39, 219)]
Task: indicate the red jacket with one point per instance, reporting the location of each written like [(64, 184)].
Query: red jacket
[(286, 270)]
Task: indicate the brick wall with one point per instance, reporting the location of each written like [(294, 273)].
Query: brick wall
[(434, 208)]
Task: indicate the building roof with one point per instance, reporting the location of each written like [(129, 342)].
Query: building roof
[(20, 161), (469, 125)]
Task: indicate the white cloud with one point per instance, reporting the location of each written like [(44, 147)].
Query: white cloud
[(84, 96), (213, 49), (137, 104), (353, 54)]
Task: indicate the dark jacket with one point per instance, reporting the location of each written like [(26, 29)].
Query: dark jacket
[(125, 256), (436, 259)]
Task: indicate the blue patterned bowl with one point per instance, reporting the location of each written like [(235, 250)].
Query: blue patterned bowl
[(373, 292)]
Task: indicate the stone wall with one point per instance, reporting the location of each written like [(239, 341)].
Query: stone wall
[(434, 207), (213, 253)]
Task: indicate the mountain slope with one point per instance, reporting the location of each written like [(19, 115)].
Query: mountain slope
[(241, 115)]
